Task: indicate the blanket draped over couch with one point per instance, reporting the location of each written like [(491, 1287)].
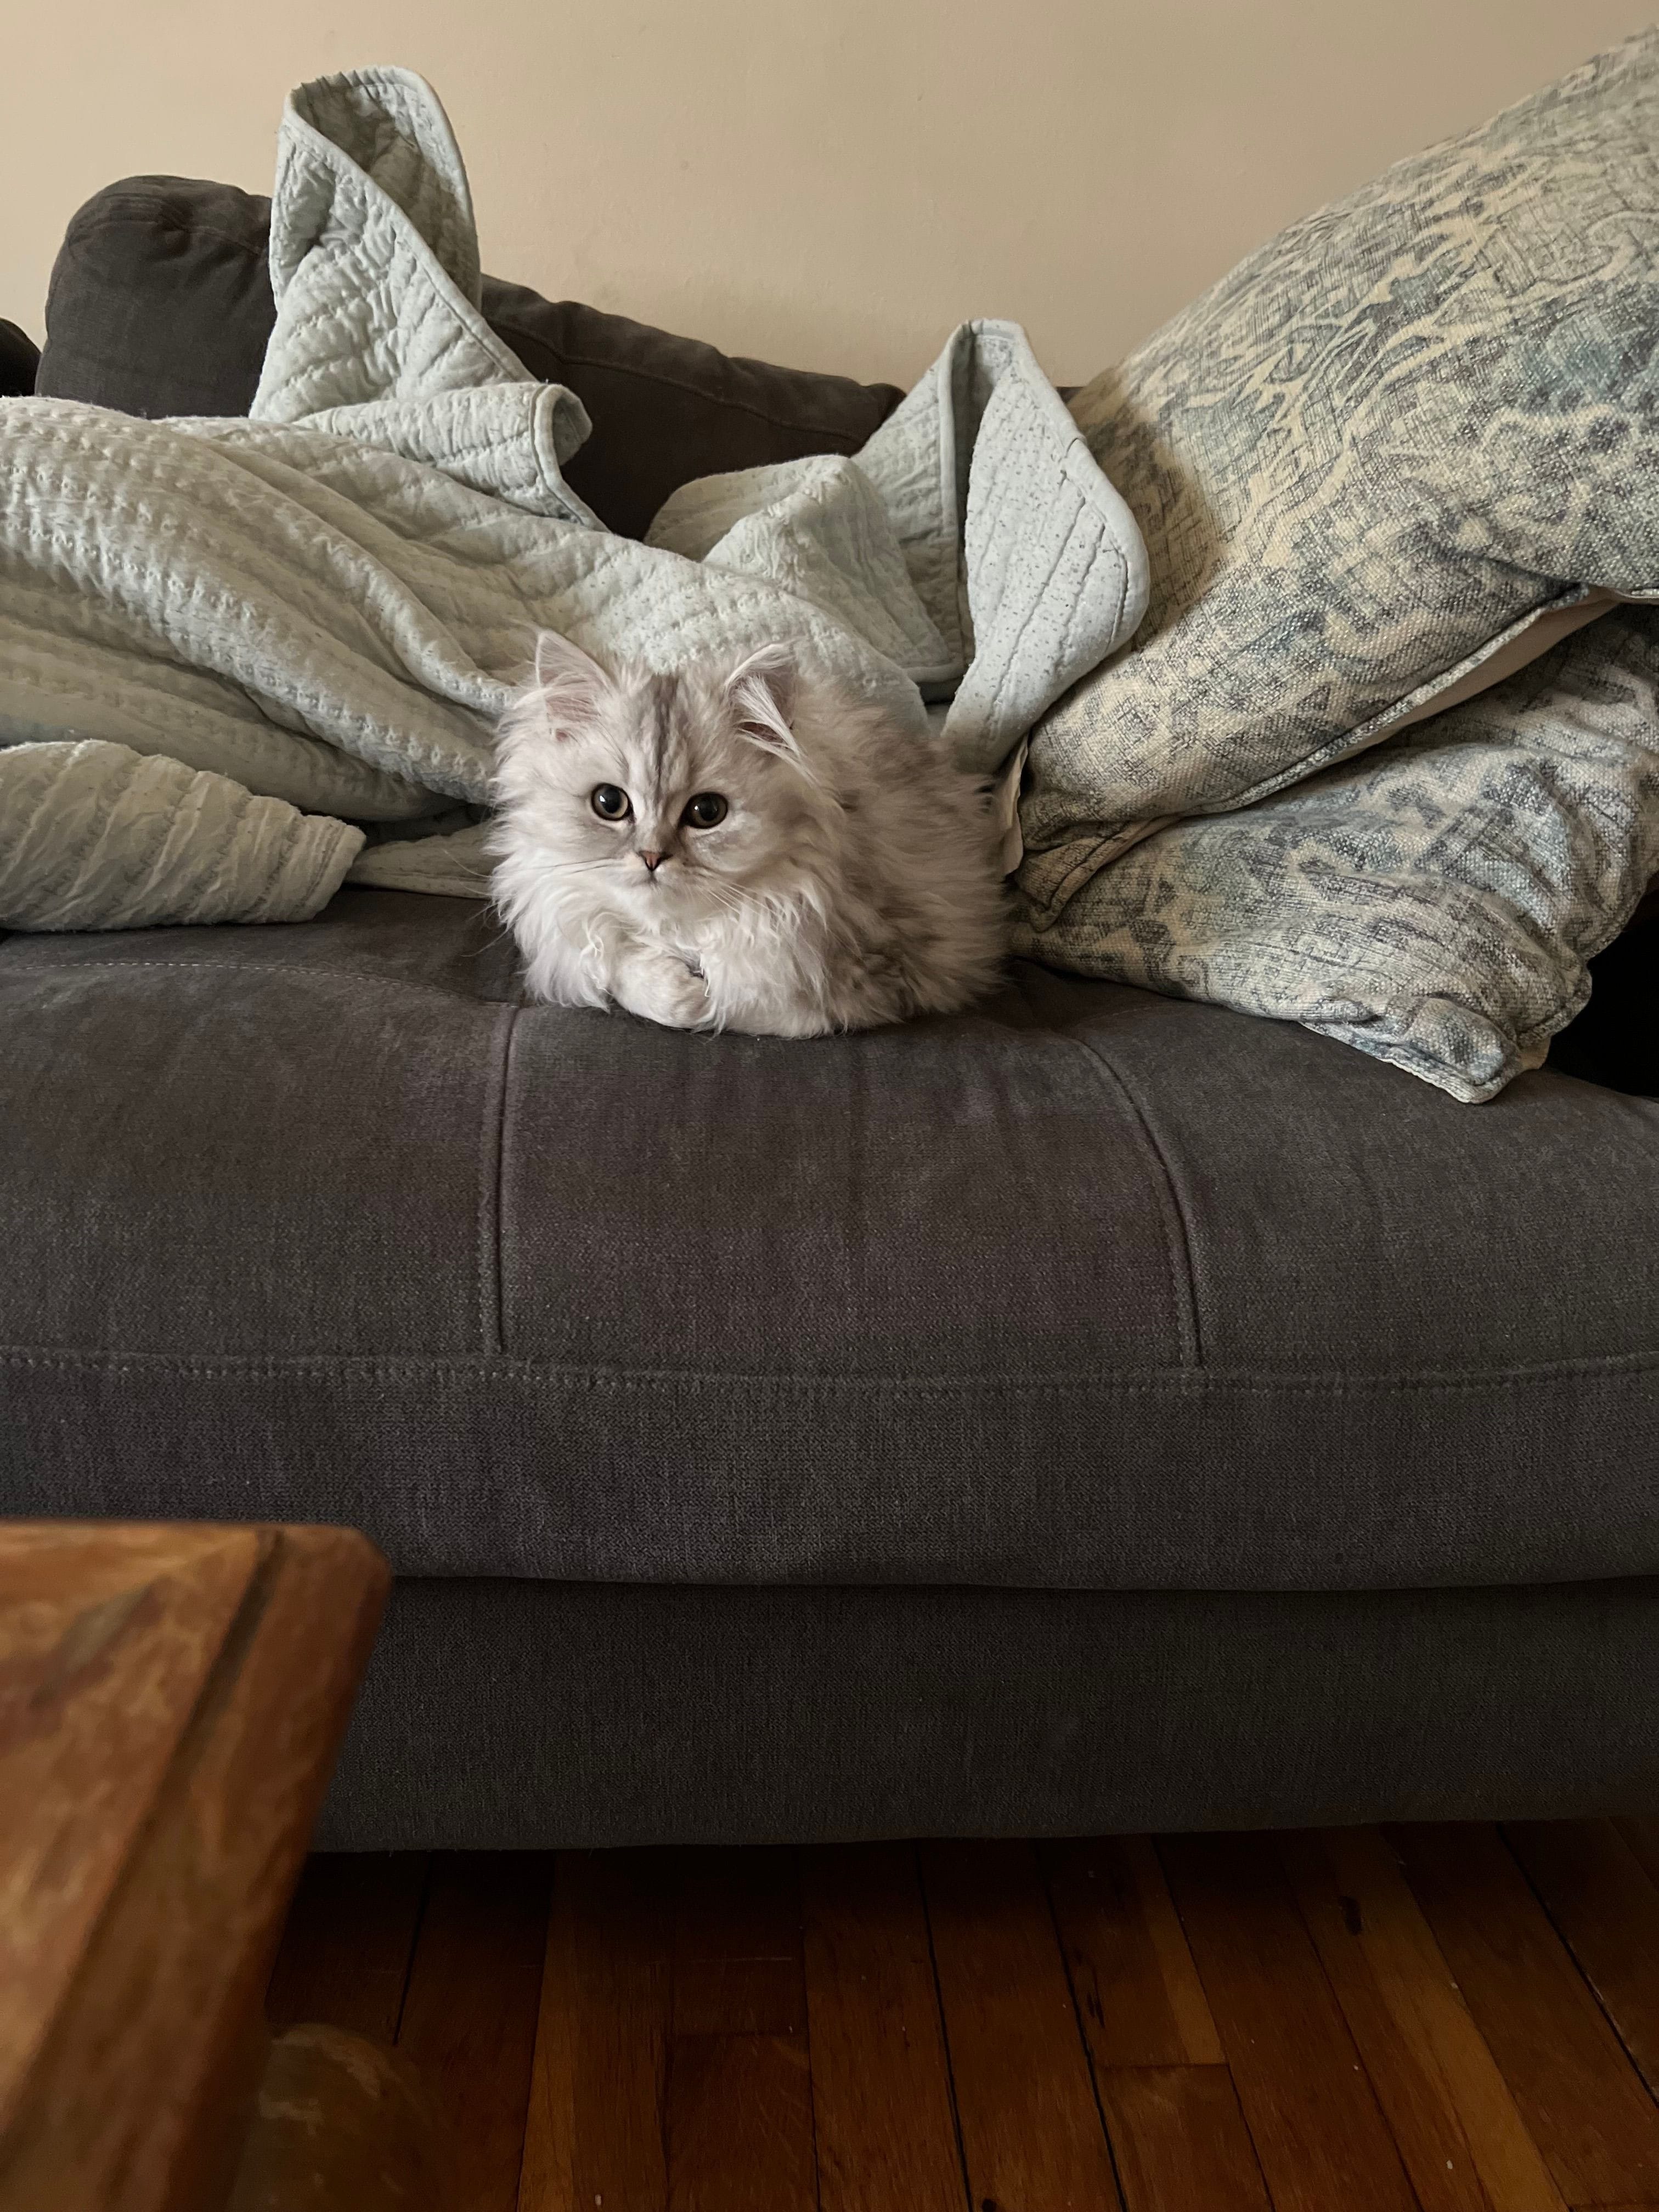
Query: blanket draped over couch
[(242, 659)]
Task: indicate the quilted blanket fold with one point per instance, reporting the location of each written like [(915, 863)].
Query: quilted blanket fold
[(323, 609), (99, 838)]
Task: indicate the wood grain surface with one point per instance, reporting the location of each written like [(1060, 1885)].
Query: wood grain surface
[(171, 1702), (1324, 2022)]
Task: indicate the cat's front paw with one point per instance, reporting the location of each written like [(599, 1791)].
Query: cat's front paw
[(661, 987)]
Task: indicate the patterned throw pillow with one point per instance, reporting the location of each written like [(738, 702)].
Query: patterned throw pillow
[(1433, 902), (1365, 463)]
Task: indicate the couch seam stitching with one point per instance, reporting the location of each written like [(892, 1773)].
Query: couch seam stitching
[(1183, 1298), (513, 1013), (493, 1132), (21, 965), (1193, 1318), (518, 1366)]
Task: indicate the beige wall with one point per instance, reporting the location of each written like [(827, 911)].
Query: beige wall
[(830, 183)]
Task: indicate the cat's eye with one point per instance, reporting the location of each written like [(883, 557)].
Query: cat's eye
[(610, 802), (705, 810)]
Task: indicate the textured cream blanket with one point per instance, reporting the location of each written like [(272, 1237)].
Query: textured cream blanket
[(241, 661)]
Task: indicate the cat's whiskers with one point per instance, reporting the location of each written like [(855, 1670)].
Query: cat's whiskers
[(731, 896)]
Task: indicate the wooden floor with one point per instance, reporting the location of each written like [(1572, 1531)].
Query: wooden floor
[(1446, 2018)]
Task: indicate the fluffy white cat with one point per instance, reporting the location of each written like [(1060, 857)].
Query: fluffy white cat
[(737, 846)]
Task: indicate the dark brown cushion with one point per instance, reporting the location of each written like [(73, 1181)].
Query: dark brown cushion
[(159, 299), (666, 410), (161, 304), (19, 360), (1615, 1040)]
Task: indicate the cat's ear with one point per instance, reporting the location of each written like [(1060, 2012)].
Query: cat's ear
[(761, 690), (571, 683)]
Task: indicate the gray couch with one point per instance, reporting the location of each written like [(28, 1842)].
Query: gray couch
[(1094, 1412)]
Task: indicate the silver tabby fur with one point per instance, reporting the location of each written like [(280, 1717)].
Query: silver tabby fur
[(853, 881)]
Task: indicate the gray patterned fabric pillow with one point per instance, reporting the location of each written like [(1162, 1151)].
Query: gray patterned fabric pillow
[(1433, 902), (1368, 459)]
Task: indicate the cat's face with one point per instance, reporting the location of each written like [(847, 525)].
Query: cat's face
[(670, 797)]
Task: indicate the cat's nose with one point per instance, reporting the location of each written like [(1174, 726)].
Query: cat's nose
[(652, 862)]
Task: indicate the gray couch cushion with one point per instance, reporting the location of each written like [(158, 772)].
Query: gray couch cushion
[(1088, 1288), (503, 1715)]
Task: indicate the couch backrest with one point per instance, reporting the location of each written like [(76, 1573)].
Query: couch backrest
[(161, 304)]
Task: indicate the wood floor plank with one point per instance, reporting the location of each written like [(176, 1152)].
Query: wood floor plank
[(345, 1951), (1605, 1903), (1643, 1836), (1464, 2144), (1582, 2100), (1181, 2142), (1309, 2105), (1031, 2132), (1137, 1989), (881, 2092), (739, 2101), (741, 2125), (469, 2019), (738, 1944), (595, 2127)]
